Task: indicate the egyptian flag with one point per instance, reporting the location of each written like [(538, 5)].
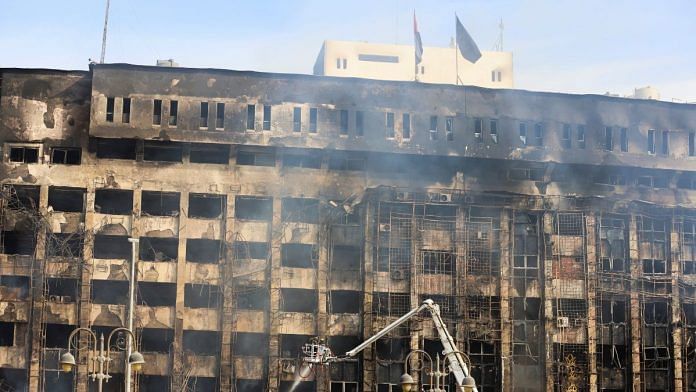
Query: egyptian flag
[(466, 44), (417, 40)]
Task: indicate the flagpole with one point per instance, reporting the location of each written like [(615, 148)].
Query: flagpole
[(456, 58)]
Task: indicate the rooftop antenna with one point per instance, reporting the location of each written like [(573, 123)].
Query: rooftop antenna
[(106, 23), (499, 45)]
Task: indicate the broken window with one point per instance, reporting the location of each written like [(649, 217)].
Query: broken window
[(538, 134), (251, 298), (220, 116), (18, 242), (523, 133), (250, 250), (110, 109), (149, 382), (692, 144), (574, 309), (66, 199), (297, 119), (581, 136), (344, 301), (202, 343), (396, 261), (392, 349), (125, 115), (299, 255), (210, 153), (406, 129), (162, 151), (113, 201), (526, 308), (266, 117), (200, 250), (298, 300), (156, 294), (688, 247), (109, 292), (351, 161), (343, 122), (449, 129), (433, 128), (569, 223), (359, 123), (346, 258), (389, 125), (526, 174), (157, 112), (7, 332), (447, 304), (608, 139), (22, 197), (609, 177), (526, 246), (613, 250), (657, 312), (613, 311), (248, 385), (156, 340), (157, 203), (253, 208), (300, 210), (478, 129), (64, 244), (313, 119), (115, 148), (566, 136), (66, 155), (202, 384), (391, 304), (201, 296), (651, 141), (251, 117), (24, 154), (291, 345), (623, 135), (173, 113), (665, 142), (653, 239), (203, 123), (57, 335), (250, 344), (61, 290), (256, 157), (112, 247), (158, 249), (206, 206), (439, 262), (307, 160)]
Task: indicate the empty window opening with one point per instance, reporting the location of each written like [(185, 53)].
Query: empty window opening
[(300, 210), (115, 148), (494, 130), (433, 128), (313, 119), (249, 344), (346, 258), (341, 344), (308, 159), (61, 290), (291, 345), (656, 312), (250, 250), (351, 161), (692, 144), (392, 349), (665, 142), (478, 129), (66, 155), (449, 129), (206, 206), (613, 312), (110, 109), (256, 158), (391, 304), (65, 244), (220, 115), (14, 288), (157, 203), (173, 113), (7, 332), (526, 174), (22, 197), (18, 242), (125, 115), (148, 382), (359, 123), (343, 122), (389, 125), (609, 178), (204, 251), (201, 296), (210, 153), (157, 112), (113, 201), (652, 242), (538, 134), (523, 133), (203, 123), (266, 117), (57, 335), (251, 117), (526, 308), (299, 255), (297, 119), (156, 340), (574, 309), (112, 247), (253, 208), (252, 298), (158, 249), (156, 294), (608, 139), (439, 262), (345, 301), (406, 128), (581, 136), (66, 199), (162, 151), (566, 136), (526, 246), (651, 141), (202, 343), (624, 139), (24, 154), (298, 300), (202, 384), (110, 292)]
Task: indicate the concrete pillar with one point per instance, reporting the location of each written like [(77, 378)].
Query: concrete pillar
[(548, 319), (677, 329), (505, 309), (85, 301), (368, 379), (178, 371), (276, 276), (591, 292), (323, 378), (635, 311), (228, 289)]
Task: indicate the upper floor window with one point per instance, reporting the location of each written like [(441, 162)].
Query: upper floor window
[(406, 130), (204, 115), (343, 122), (449, 128), (125, 115), (296, 119), (539, 134), (478, 129), (494, 130), (251, 117), (157, 112), (66, 155), (359, 123), (608, 139), (581, 136), (173, 113), (651, 141), (313, 120), (110, 109), (692, 144), (24, 154), (523, 133), (566, 136), (433, 127), (266, 117), (220, 116), (665, 142), (624, 139), (389, 124)]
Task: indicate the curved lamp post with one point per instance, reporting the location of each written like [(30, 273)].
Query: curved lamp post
[(436, 374), (406, 380), (99, 371)]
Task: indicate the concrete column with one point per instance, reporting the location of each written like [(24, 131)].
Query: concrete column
[(635, 311), (276, 228), (368, 383), (548, 320), (591, 291), (677, 329), (178, 371), (227, 285), (505, 294), (85, 300), (323, 379)]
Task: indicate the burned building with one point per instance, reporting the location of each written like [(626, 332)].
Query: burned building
[(557, 232)]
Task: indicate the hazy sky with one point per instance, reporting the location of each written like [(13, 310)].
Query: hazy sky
[(584, 46)]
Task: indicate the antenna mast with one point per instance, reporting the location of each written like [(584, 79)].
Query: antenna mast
[(501, 27), (106, 23)]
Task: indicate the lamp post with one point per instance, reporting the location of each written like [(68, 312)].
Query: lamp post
[(101, 358), (437, 374)]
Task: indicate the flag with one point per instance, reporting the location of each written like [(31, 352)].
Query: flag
[(417, 41), (466, 44)]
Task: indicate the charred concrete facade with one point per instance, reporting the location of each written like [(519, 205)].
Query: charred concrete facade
[(557, 232)]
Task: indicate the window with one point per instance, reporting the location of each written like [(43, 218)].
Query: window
[(203, 251), (156, 203), (345, 63), (204, 115), (266, 117), (300, 210), (162, 151), (157, 112), (492, 76), (220, 116), (478, 129), (251, 117), (296, 119), (299, 255), (115, 148), (338, 63), (313, 114), (608, 139), (623, 135), (494, 131), (378, 58), (310, 160), (113, 201), (253, 208), (692, 144), (389, 124), (500, 76), (209, 153), (125, 116), (651, 141), (566, 136), (256, 158), (449, 128), (173, 113), (433, 127), (523, 133), (581, 136), (538, 134), (344, 122), (359, 123), (110, 109), (24, 154), (206, 205), (66, 155), (665, 143), (298, 300), (406, 131)]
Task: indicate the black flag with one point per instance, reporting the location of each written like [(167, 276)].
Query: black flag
[(467, 46)]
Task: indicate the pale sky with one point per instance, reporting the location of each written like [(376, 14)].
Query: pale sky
[(588, 46)]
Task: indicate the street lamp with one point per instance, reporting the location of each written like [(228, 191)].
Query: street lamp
[(99, 371), (406, 380)]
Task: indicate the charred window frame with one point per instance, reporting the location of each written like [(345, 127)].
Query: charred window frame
[(651, 141), (359, 123), (157, 203), (209, 153), (156, 294), (608, 139), (110, 105), (494, 130), (297, 119), (201, 296), (526, 246), (112, 247), (348, 161), (160, 151), (204, 251), (389, 124), (581, 136), (291, 345), (566, 136), (439, 262), (253, 208), (609, 177), (7, 334), (250, 250), (115, 148), (18, 242), (397, 261), (406, 126), (613, 250), (266, 126), (653, 242), (665, 143), (313, 119), (125, 114), (204, 114), (265, 157), (65, 245), (613, 312), (307, 160), (298, 300), (109, 292), (299, 255), (526, 173), (524, 308), (220, 116), (391, 304), (22, 197), (156, 340), (157, 112), (692, 144), (433, 128), (688, 247), (159, 249), (344, 301), (302, 210), (343, 128), (539, 134), (113, 201), (66, 155), (66, 199), (173, 113), (206, 205), (523, 133), (23, 154), (478, 130), (623, 132)]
